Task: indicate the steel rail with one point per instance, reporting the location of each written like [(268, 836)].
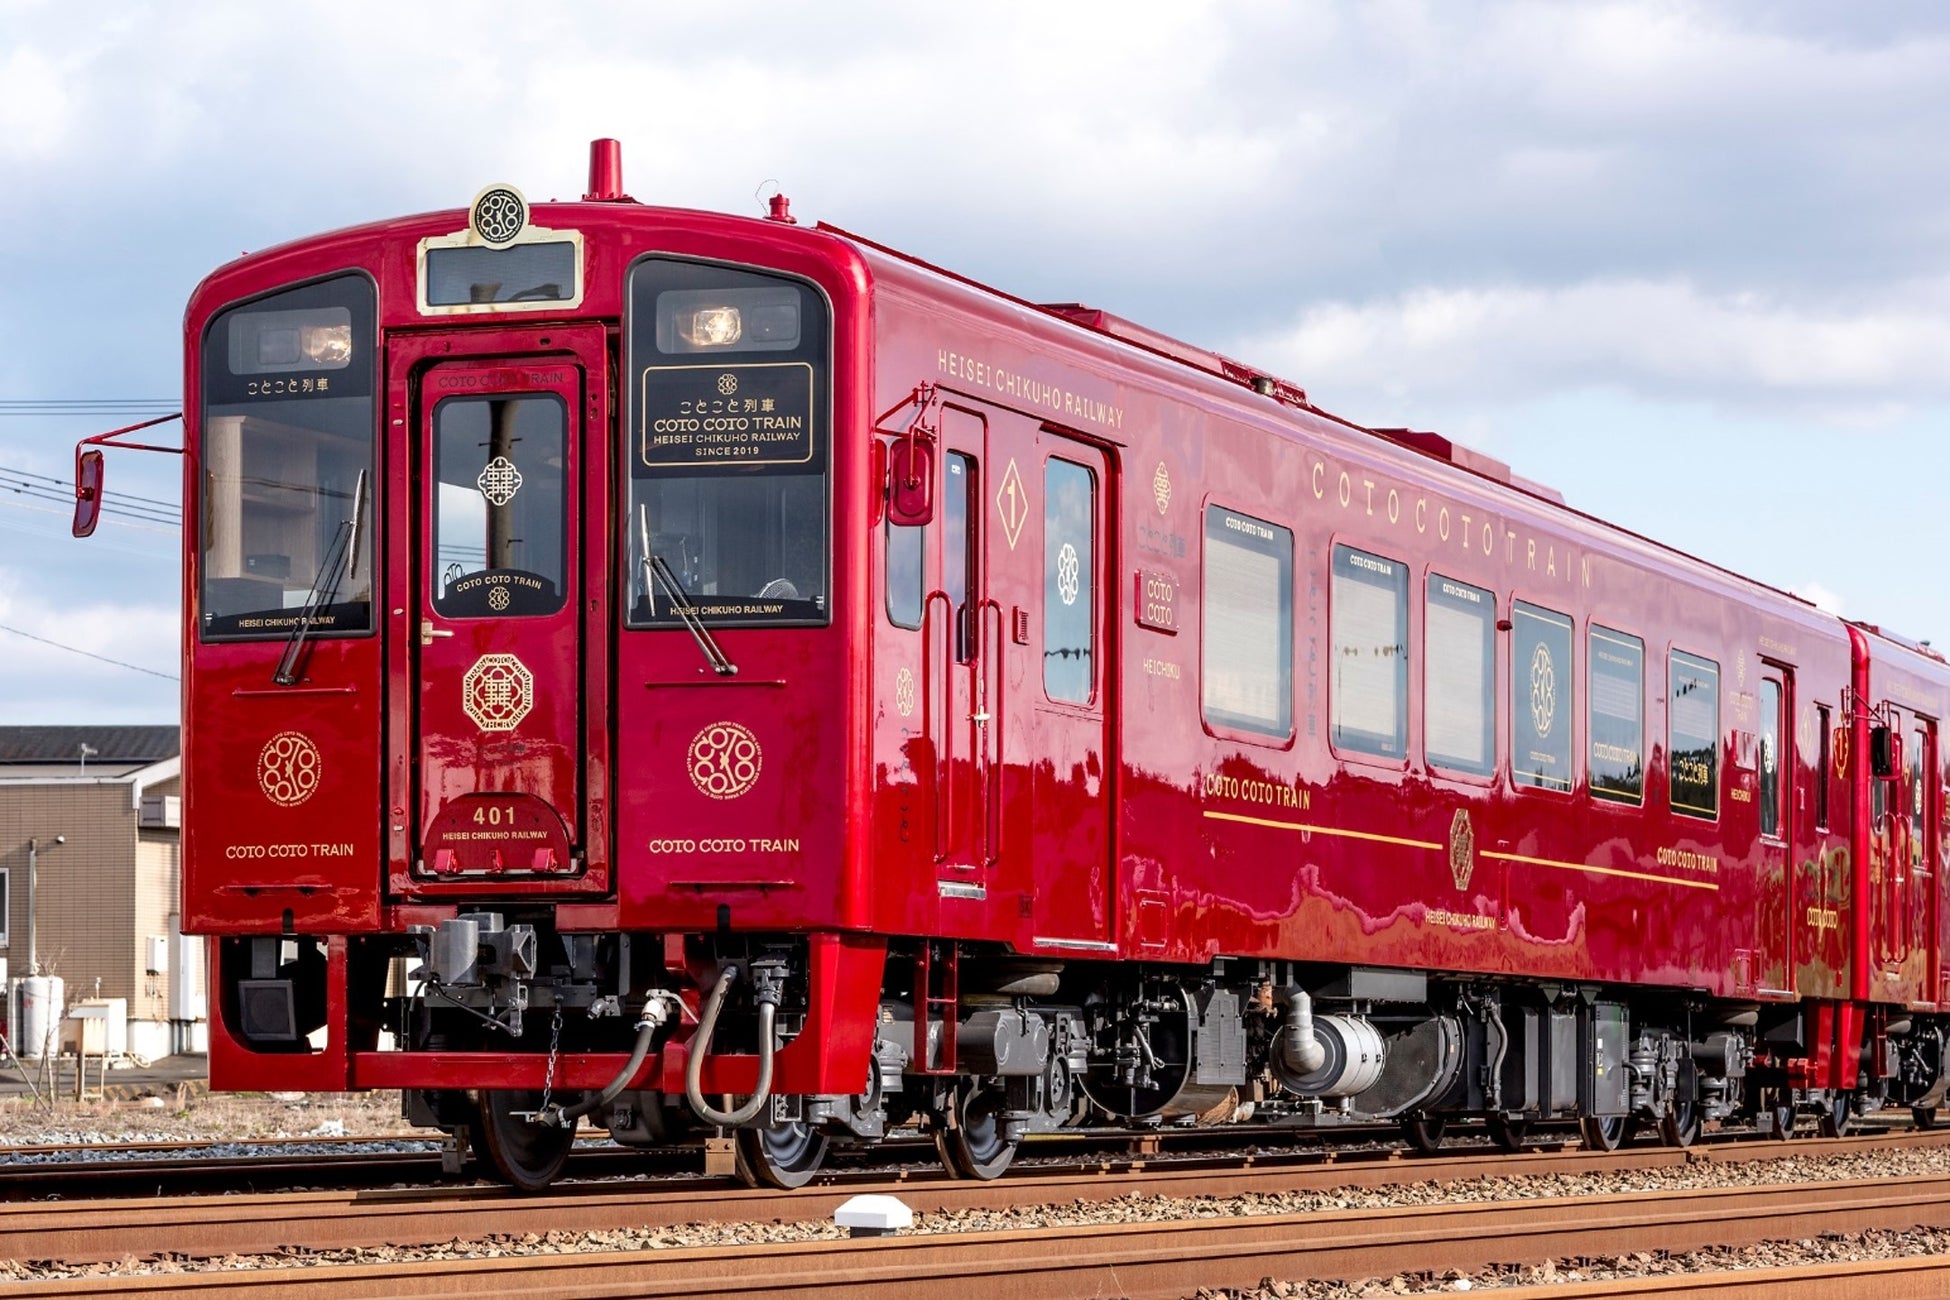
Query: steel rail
[(1131, 1259), (207, 1227), (1914, 1277), (150, 1169)]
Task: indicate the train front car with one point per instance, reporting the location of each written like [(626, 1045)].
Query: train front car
[(518, 726)]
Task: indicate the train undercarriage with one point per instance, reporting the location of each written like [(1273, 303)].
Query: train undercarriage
[(980, 1048)]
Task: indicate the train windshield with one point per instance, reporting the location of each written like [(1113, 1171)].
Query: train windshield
[(286, 457), (729, 489)]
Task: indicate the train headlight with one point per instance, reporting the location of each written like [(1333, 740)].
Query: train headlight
[(328, 345), (744, 320), (279, 342), (712, 327)]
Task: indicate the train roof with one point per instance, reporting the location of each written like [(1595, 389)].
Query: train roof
[(1241, 377)]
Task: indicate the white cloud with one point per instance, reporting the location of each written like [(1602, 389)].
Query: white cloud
[(1518, 342), (43, 684), (1821, 597)]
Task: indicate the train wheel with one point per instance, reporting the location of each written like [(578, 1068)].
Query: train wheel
[(1605, 1132), (1923, 1116), (976, 1147), (526, 1155), (785, 1155), (1837, 1115), (1424, 1132), (1506, 1132), (1680, 1125)]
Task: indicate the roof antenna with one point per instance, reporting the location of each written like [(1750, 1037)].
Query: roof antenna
[(779, 208)]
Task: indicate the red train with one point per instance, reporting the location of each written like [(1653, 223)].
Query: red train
[(688, 671)]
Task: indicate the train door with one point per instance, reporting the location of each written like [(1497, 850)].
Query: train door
[(1014, 631), (1889, 859), (961, 666), (1061, 689), (1774, 795), (506, 719), (1920, 798)]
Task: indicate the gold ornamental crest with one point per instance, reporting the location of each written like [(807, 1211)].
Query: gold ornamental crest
[(1462, 849), (288, 768), (724, 760), (497, 692), (1543, 690), (904, 691), (1161, 487)]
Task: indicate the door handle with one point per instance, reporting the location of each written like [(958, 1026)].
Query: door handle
[(428, 631)]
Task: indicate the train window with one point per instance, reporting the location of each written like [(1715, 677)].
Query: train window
[(905, 575), (1772, 769), (1246, 678), (1459, 700), (1069, 582), (501, 514), (728, 423), (1542, 698), (1367, 681), (1617, 730), (1824, 724), (959, 511), (1918, 789), (524, 272), (1693, 725), (286, 452)]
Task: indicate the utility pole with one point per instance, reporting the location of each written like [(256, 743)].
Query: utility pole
[(33, 873)]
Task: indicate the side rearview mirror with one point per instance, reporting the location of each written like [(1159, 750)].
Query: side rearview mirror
[(1882, 753), (910, 482), (88, 473)]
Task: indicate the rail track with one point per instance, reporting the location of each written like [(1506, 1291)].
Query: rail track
[(307, 1235), (1153, 1259), (261, 1164)]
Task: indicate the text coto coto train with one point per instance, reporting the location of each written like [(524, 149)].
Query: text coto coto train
[(686, 670)]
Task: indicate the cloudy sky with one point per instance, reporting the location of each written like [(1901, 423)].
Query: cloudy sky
[(1689, 263)]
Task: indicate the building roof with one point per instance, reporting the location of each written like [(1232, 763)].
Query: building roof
[(110, 746)]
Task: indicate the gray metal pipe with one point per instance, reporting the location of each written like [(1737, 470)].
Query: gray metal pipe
[(707, 1025), (1302, 1052)]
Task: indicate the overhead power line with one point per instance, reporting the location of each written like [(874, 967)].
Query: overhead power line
[(87, 405), (112, 507), (90, 654), (16, 502), (7, 472)]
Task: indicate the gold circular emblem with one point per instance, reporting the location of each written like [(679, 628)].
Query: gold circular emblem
[(288, 768), (1543, 690), (497, 692), (498, 214), (724, 760), (1161, 487), (497, 599), (904, 691)]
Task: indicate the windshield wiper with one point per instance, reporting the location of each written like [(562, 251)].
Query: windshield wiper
[(657, 573), (341, 558)]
